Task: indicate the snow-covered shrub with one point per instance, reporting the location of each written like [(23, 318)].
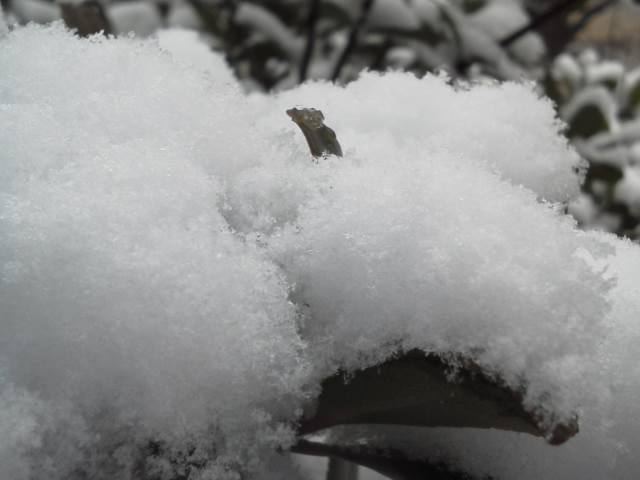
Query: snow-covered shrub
[(349, 37), (277, 44), (599, 100), (178, 278)]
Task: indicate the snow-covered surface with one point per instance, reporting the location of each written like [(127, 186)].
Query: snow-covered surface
[(583, 209), (400, 57), (476, 44), (607, 71), (186, 47), (173, 266), (138, 16), (588, 57), (35, 11), (265, 23), (565, 66), (392, 14), (484, 124), (183, 15), (587, 82), (609, 428), (627, 190), (499, 18), (427, 11), (134, 321)]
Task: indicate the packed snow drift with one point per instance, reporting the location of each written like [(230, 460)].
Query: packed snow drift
[(177, 275)]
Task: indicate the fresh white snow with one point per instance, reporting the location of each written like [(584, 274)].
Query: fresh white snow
[(174, 266)]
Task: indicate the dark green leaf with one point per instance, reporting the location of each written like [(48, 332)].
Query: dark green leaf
[(415, 389), (588, 121), (634, 96)]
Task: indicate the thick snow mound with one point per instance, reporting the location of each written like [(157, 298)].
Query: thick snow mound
[(186, 47), (124, 292), (390, 257), (609, 427), (505, 127), (177, 274)]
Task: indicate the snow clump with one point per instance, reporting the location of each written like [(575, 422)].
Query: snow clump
[(177, 275), (124, 292), (609, 426)]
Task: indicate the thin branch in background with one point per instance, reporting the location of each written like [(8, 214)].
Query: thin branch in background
[(538, 21), (217, 19), (378, 62), (353, 39), (607, 45), (597, 9), (312, 20)]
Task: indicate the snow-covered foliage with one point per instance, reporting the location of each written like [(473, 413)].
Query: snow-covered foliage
[(177, 275), (599, 101), (266, 41), (138, 16), (136, 321), (609, 431)]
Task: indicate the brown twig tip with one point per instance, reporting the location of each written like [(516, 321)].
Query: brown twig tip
[(321, 139)]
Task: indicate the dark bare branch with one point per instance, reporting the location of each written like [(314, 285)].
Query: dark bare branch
[(312, 20), (540, 20), (595, 10), (353, 38)]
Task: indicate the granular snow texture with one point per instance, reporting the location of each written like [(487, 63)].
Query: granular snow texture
[(177, 275)]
